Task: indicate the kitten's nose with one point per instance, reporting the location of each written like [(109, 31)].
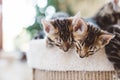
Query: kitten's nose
[(66, 47), (82, 54)]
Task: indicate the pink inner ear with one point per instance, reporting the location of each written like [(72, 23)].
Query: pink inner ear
[(116, 1), (47, 26), (78, 25), (106, 38), (47, 29)]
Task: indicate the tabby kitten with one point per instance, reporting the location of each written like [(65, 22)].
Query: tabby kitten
[(108, 18), (59, 31), (108, 15), (88, 38)]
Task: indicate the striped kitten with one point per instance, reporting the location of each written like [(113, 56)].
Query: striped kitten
[(59, 32), (108, 15), (89, 39), (108, 18)]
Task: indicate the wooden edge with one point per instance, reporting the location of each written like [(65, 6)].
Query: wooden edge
[(73, 75), (33, 71)]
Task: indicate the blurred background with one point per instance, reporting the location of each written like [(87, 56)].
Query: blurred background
[(19, 23)]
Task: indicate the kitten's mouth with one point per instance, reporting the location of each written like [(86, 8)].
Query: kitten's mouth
[(66, 47), (65, 50), (82, 56), (86, 55)]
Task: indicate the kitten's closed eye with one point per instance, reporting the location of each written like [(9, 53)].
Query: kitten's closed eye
[(90, 51)]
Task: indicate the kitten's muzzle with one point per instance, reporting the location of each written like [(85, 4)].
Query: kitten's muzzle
[(66, 47), (85, 55)]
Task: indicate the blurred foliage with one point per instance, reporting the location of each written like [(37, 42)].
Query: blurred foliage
[(40, 13), (28, 33)]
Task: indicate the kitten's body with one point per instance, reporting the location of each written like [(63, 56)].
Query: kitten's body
[(108, 18)]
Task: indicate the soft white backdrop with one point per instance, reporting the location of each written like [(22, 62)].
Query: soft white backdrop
[(16, 15)]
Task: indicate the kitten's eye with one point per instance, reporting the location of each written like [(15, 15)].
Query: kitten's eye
[(57, 39), (97, 49), (90, 47), (90, 51)]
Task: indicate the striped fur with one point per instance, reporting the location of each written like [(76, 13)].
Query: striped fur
[(107, 15), (61, 34), (93, 40), (113, 48), (64, 36), (111, 23)]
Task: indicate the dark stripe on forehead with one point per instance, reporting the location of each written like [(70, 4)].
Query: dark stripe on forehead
[(63, 28), (93, 33)]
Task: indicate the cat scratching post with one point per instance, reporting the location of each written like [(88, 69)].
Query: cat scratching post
[(54, 64)]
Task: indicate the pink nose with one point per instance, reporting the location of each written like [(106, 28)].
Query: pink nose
[(82, 54), (66, 47)]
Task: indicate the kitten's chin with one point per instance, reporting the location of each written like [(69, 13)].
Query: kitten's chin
[(65, 49), (81, 56)]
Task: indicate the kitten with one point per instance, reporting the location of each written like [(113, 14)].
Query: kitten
[(108, 18), (59, 32), (108, 15), (88, 38)]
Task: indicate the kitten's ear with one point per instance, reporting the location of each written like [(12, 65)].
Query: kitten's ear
[(105, 38), (76, 18), (116, 5), (116, 1), (48, 27), (78, 24), (78, 14)]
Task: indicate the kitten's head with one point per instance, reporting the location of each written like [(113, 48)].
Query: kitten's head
[(89, 39), (116, 5), (112, 7), (59, 31)]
